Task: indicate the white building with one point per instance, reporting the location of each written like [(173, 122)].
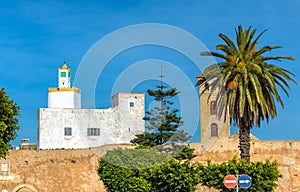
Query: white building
[(65, 125)]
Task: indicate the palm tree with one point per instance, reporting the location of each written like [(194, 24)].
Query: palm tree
[(246, 83)]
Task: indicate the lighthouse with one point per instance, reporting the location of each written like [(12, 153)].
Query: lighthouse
[(64, 124), (64, 96)]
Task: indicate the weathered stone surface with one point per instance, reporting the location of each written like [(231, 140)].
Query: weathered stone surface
[(286, 153), (75, 169), (54, 170)]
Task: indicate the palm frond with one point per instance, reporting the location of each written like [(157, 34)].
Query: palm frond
[(227, 41), (208, 53)]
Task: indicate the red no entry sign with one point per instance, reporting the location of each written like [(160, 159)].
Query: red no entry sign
[(230, 181)]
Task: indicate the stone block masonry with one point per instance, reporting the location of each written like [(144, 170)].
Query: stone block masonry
[(74, 170)]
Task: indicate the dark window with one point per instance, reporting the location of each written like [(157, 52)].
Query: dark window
[(213, 107), (93, 131), (68, 131), (214, 130), (131, 104)]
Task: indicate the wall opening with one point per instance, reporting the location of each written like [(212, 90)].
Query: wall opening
[(131, 104), (68, 131), (214, 130), (213, 108), (93, 131)]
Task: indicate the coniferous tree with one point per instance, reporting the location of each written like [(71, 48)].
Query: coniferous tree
[(162, 123)]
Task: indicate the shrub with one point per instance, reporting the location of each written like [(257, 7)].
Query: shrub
[(264, 175)]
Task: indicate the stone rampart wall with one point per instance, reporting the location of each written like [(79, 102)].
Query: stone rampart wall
[(75, 170)]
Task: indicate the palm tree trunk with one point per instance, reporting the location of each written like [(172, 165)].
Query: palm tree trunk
[(244, 143)]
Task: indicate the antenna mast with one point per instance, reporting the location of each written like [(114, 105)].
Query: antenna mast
[(161, 77)]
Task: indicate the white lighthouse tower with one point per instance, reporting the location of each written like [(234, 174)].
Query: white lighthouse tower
[(64, 96), (64, 76)]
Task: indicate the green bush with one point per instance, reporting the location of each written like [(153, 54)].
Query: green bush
[(174, 176), (147, 170), (264, 175), (133, 170)]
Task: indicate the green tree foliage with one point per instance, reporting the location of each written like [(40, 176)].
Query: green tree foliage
[(162, 123), (8, 122), (246, 83), (135, 158), (182, 152), (143, 170), (174, 176), (264, 175)]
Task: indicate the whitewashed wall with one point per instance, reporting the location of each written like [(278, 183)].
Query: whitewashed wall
[(118, 124), (64, 99)]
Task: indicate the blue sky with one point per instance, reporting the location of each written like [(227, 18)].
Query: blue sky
[(36, 37)]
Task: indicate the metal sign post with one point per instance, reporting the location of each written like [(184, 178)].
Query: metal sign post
[(237, 186)]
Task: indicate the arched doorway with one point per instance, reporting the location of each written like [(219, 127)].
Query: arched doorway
[(24, 188)]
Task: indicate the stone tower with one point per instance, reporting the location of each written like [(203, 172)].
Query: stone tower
[(210, 126)]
